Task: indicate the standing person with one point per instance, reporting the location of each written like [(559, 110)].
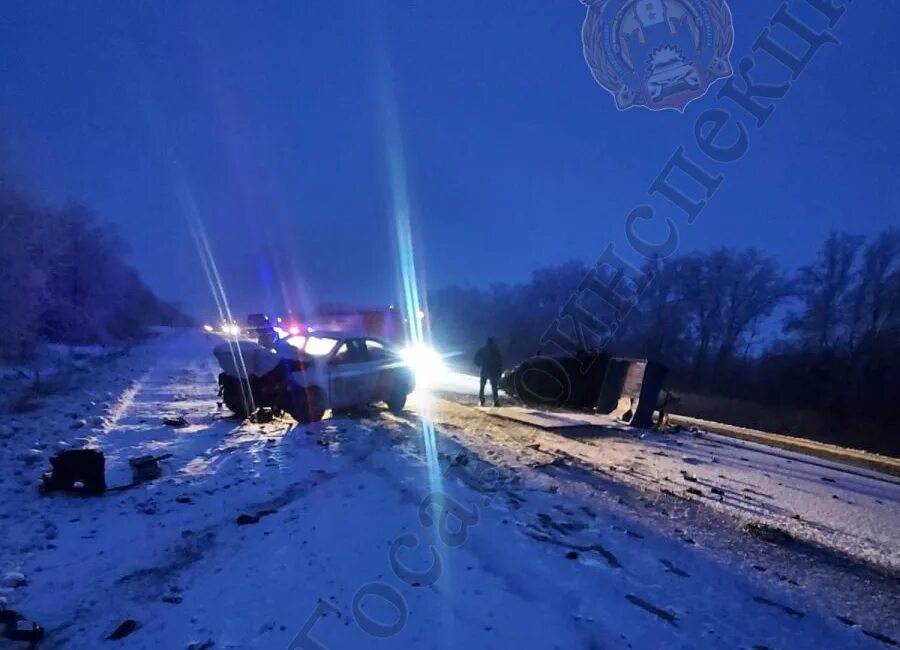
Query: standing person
[(491, 363)]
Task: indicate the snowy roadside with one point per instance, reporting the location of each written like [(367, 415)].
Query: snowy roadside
[(257, 532), (54, 369), (843, 508), (826, 532)]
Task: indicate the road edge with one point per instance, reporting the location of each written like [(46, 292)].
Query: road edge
[(855, 457)]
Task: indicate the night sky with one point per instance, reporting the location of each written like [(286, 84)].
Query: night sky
[(263, 120)]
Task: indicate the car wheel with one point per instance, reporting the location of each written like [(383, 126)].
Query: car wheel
[(233, 396), (397, 400), (307, 404)]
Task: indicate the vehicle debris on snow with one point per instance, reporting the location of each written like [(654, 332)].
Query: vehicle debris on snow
[(17, 628), (77, 470)]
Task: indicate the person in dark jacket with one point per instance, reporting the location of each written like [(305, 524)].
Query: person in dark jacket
[(491, 363)]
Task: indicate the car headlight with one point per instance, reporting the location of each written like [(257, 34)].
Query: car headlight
[(425, 362), (230, 329)]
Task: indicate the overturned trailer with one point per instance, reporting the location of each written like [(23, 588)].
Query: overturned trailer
[(628, 389)]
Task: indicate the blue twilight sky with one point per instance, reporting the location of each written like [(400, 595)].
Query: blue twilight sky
[(263, 120)]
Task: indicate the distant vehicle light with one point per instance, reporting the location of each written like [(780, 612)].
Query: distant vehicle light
[(294, 330), (427, 364), (230, 329), (209, 328)]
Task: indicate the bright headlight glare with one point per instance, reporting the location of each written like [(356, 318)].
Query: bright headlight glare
[(425, 362)]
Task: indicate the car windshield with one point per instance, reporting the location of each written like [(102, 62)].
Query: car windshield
[(319, 346), (297, 342)]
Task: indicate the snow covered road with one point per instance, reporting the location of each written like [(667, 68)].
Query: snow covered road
[(841, 507), (439, 528)]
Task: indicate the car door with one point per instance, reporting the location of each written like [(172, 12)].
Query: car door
[(379, 378), (348, 370)]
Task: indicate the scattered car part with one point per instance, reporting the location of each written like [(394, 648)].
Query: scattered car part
[(625, 388), (76, 470), (146, 468), (83, 471), (571, 381), (125, 628), (630, 390), (18, 628), (264, 415)]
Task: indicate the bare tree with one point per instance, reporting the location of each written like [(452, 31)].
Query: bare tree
[(873, 305), (658, 327), (753, 287), (700, 295), (824, 288), (726, 294), (63, 279)]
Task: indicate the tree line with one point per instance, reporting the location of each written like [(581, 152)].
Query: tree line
[(727, 322), (64, 279)]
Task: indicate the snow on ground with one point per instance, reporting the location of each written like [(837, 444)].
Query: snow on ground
[(845, 508), (387, 531), (52, 367)]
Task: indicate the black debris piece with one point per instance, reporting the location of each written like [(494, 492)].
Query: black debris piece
[(77, 470), (17, 628), (126, 628), (881, 637), (668, 617), (790, 611), (26, 631), (769, 533), (671, 568)]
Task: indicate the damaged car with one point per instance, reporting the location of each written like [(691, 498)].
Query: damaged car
[(571, 381), (310, 373)]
